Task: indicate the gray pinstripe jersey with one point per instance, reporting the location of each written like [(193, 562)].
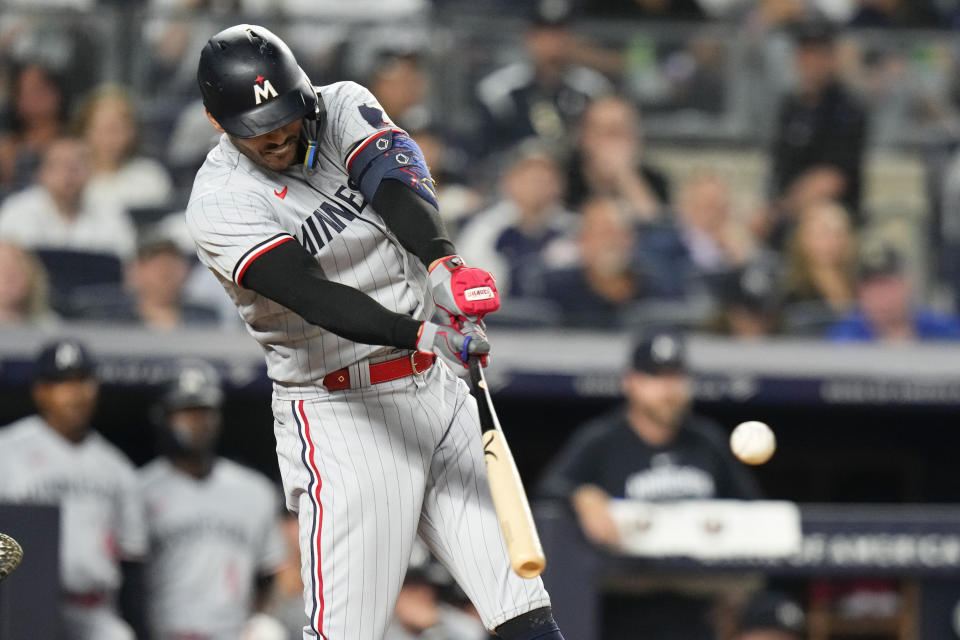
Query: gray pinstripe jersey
[(209, 539), (101, 515), (238, 211)]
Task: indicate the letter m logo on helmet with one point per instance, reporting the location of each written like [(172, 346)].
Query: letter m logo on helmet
[(263, 92)]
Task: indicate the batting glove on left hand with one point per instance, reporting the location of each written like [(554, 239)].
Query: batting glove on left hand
[(454, 346), (465, 293)]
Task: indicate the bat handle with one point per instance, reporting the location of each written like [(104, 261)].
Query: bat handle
[(476, 371), (478, 387)]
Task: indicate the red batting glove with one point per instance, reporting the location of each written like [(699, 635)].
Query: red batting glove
[(465, 293)]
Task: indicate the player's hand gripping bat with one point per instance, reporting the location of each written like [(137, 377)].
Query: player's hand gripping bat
[(509, 498)]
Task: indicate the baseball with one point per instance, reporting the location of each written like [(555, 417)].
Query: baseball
[(753, 442)]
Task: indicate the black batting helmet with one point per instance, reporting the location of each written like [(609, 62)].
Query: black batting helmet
[(251, 83), (196, 385)]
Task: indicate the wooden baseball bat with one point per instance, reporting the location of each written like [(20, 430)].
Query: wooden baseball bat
[(509, 498)]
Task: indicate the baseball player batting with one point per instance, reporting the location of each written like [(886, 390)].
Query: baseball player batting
[(319, 217)]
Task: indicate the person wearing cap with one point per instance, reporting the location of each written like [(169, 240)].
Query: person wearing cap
[(887, 310), (749, 304), (770, 615), (821, 128), (55, 458), (215, 534), (545, 95), (652, 449)]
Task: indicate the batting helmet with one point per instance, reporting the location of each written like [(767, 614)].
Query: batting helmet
[(251, 83)]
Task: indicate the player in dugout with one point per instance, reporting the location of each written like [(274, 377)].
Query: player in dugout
[(319, 217), (653, 449), (215, 541), (55, 458)]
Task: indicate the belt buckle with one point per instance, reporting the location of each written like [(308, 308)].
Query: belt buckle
[(413, 364)]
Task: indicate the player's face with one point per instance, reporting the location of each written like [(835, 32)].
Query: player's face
[(196, 429), (276, 150), (662, 398), (67, 406)]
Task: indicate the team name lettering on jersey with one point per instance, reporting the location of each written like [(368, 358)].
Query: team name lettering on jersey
[(329, 219), (53, 490), (207, 527)]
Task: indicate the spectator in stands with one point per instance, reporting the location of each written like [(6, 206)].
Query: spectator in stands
[(545, 96), (770, 615), (714, 239), (887, 310), (520, 231), (154, 295), (453, 170), (896, 14), (59, 212), (608, 160), (819, 281), (55, 457), (107, 122), (646, 9), (24, 294), (37, 111), (619, 265), (401, 86), (748, 300), (820, 126), (655, 450)]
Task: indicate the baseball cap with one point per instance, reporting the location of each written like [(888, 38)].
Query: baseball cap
[(154, 241), (815, 30), (195, 385), (879, 261), (64, 359), (772, 611), (551, 13), (660, 352), (753, 286)]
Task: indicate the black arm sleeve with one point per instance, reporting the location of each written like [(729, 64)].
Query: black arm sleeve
[(416, 224), (132, 599), (290, 276)]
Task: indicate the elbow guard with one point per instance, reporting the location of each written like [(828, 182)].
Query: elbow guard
[(391, 155)]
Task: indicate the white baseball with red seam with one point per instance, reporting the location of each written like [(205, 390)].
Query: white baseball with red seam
[(753, 442)]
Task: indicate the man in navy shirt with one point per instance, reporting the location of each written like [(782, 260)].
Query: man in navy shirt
[(653, 449), (886, 309)]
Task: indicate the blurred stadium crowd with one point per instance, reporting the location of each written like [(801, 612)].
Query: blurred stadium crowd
[(749, 168), (746, 168)]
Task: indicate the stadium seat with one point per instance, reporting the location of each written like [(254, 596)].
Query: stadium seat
[(69, 270)]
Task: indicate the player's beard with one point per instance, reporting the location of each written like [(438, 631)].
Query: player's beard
[(272, 156), (666, 414), (280, 157)]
